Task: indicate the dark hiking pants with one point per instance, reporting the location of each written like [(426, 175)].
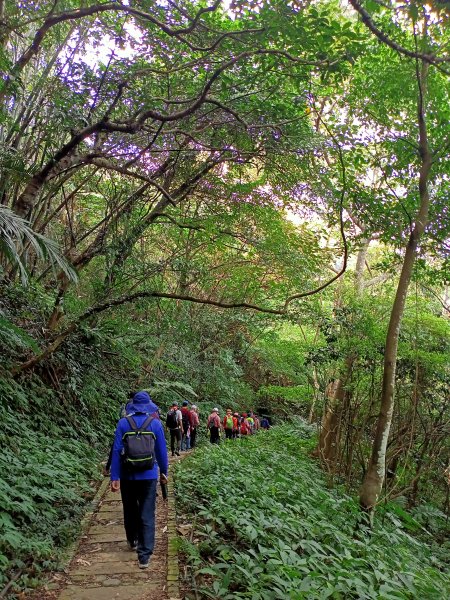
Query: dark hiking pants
[(175, 440), (193, 437), (214, 435), (139, 501)]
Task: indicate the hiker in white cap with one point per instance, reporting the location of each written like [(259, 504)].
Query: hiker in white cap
[(213, 424)]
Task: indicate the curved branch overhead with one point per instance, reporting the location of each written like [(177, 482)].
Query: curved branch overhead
[(383, 37)]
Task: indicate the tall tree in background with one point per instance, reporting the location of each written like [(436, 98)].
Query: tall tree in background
[(428, 33)]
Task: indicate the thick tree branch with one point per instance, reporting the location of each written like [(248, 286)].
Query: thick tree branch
[(368, 22), (104, 163), (26, 200)]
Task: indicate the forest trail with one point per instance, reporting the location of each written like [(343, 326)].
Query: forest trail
[(104, 569)]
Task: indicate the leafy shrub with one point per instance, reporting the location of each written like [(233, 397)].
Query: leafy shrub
[(48, 474), (52, 440), (268, 528)]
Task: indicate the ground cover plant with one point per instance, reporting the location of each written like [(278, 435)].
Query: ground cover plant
[(49, 472), (265, 526), (53, 439)]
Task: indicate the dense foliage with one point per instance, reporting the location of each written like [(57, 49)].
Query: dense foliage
[(56, 427), (240, 203), (266, 527)]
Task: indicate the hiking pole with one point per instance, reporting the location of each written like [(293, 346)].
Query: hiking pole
[(163, 484)]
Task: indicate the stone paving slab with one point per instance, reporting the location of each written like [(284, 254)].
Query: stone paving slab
[(106, 537), (109, 514), (111, 579), (124, 592), (115, 527), (111, 501), (101, 557), (106, 567)]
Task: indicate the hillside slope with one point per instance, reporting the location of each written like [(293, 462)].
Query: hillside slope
[(266, 527)]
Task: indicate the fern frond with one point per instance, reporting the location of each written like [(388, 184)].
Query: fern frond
[(16, 232)]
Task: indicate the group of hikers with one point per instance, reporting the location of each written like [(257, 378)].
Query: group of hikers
[(139, 454), (183, 424)]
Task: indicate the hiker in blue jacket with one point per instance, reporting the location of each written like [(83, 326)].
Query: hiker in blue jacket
[(138, 489)]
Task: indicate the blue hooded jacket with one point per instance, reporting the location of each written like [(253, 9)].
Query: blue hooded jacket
[(141, 406)]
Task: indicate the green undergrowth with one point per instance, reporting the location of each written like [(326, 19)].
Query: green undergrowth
[(57, 424), (266, 527), (50, 469)]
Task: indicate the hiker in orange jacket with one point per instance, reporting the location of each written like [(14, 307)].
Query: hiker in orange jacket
[(229, 424)]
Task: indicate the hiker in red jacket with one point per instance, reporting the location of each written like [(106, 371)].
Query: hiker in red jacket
[(195, 422), (235, 425), (185, 426), (244, 427), (213, 425)]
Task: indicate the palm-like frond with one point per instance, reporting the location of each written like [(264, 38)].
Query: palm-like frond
[(16, 233)]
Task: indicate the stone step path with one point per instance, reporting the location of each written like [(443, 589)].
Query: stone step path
[(104, 569)]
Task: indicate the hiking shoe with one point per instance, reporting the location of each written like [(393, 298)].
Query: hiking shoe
[(177, 453), (143, 565), (132, 545)]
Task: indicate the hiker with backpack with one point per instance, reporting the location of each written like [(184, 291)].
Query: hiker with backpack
[(139, 449), (213, 424), (126, 410), (244, 428), (265, 423), (174, 424), (251, 423), (235, 425), (229, 424), (185, 426), (195, 422)]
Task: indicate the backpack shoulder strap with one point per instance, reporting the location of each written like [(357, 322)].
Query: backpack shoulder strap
[(146, 423), (132, 423)]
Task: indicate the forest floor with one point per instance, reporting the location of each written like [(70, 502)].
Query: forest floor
[(103, 568)]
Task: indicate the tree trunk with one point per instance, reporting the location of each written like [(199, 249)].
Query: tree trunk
[(374, 478), (315, 397), (328, 440), (360, 264), (327, 447)]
